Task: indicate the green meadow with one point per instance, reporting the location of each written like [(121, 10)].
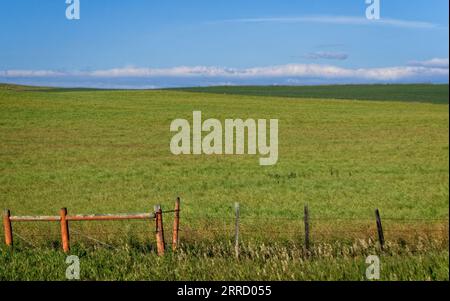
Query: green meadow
[(343, 151), (393, 92)]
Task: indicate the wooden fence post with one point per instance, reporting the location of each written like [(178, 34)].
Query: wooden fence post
[(160, 245), (379, 228), (7, 227), (236, 231), (64, 230), (306, 220), (176, 225)]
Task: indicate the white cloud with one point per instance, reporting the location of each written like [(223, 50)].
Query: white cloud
[(327, 55), (291, 70), (30, 73), (152, 72), (336, 20), (433, 63), (334, 72)]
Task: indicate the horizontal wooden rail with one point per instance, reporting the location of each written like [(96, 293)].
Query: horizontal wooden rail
[(110, 217), (80, 217), (34, 218)]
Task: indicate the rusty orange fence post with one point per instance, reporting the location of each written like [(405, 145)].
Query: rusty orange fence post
[(64, 230), (7, 227), (160, 245), (176, 225)]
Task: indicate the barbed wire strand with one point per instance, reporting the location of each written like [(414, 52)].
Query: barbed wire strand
[(25, 240), (93, 239)]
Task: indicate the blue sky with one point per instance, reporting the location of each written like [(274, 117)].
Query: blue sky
[(144, 44)]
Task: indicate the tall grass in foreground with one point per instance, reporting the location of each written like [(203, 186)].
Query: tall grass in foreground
[(215, 260)]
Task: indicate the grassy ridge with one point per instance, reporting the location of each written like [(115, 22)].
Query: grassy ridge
[(438, 94), (108, 152)]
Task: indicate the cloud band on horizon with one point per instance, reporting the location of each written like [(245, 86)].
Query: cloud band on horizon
[(435, 68)]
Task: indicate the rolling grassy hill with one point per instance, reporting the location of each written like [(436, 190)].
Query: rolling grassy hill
[(106, 151), (409, 93)]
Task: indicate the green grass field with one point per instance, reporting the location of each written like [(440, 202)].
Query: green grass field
[(96, 151), (408, 93)]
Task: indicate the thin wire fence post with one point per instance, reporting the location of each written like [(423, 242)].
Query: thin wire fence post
[(306, 221), (379, 229), (236, 230), (176, 225)]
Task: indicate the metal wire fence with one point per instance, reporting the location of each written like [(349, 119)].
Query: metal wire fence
[(238, 228), (143, 234)]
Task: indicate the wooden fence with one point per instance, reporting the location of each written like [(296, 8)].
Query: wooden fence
[(157, 216), (64, 218)]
